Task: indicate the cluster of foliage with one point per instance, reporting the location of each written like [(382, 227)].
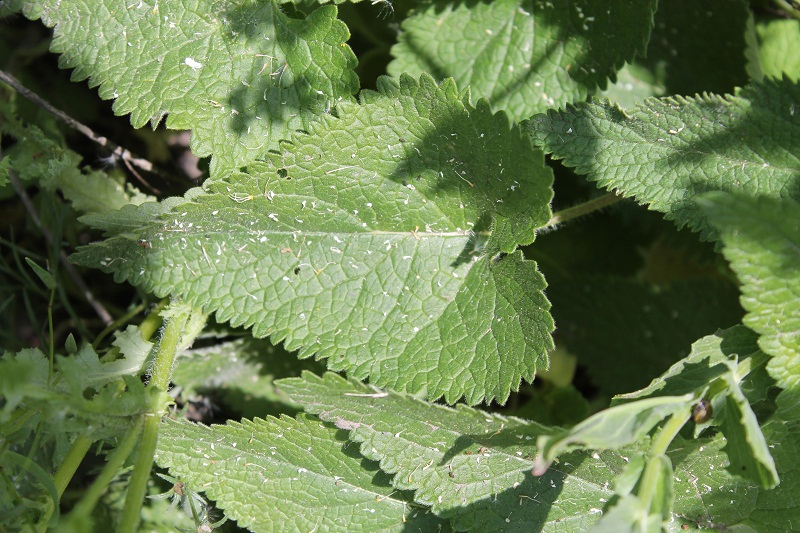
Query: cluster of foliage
[(396, 206)]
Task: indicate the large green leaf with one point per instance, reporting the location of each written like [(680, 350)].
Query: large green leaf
[(709, 497), (524, 56), (241, 75), (383, 240), (287, 475), (665, 152), (468, 465), (762, 242)]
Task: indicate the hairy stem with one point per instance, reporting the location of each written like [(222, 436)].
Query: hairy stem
[(595, 204), (157, 387)]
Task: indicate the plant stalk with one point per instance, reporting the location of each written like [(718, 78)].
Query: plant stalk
[(570, 213), (157, 387), (660, 445)]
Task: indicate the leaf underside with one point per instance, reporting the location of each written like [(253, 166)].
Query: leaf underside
[(241, 75), (383, 240), (667, 151), (521, 55)]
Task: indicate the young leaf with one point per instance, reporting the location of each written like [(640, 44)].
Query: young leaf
[(521, 55), (241, 75), (378, 240), (83, 396), (286, 475), (714, 370), (84, 369), (761, 240), (468, 465), (612, 428), (637, 513), (667, 151), (44, 276)]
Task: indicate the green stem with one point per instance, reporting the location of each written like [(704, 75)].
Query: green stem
[(595, 204), (70, 464), (50, 332), (115, 462), (159, 382), (789, 8), (660, 445), (153, 320)]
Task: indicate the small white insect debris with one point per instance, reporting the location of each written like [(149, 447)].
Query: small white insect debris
[(194, 65)]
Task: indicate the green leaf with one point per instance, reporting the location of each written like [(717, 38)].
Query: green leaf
[(638, 513), (747, 450), (629, 515), (240, 75), (382, 240), (665, 152), (524, 56), (82, 396), (23, 374), (84, 369), (612, 428), (778, 42), (45, 276), (761, 240), (287, 475), (714, 370), (708, 496), (468, 465)]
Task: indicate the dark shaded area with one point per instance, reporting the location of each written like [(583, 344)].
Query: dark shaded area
[(691, 61)]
